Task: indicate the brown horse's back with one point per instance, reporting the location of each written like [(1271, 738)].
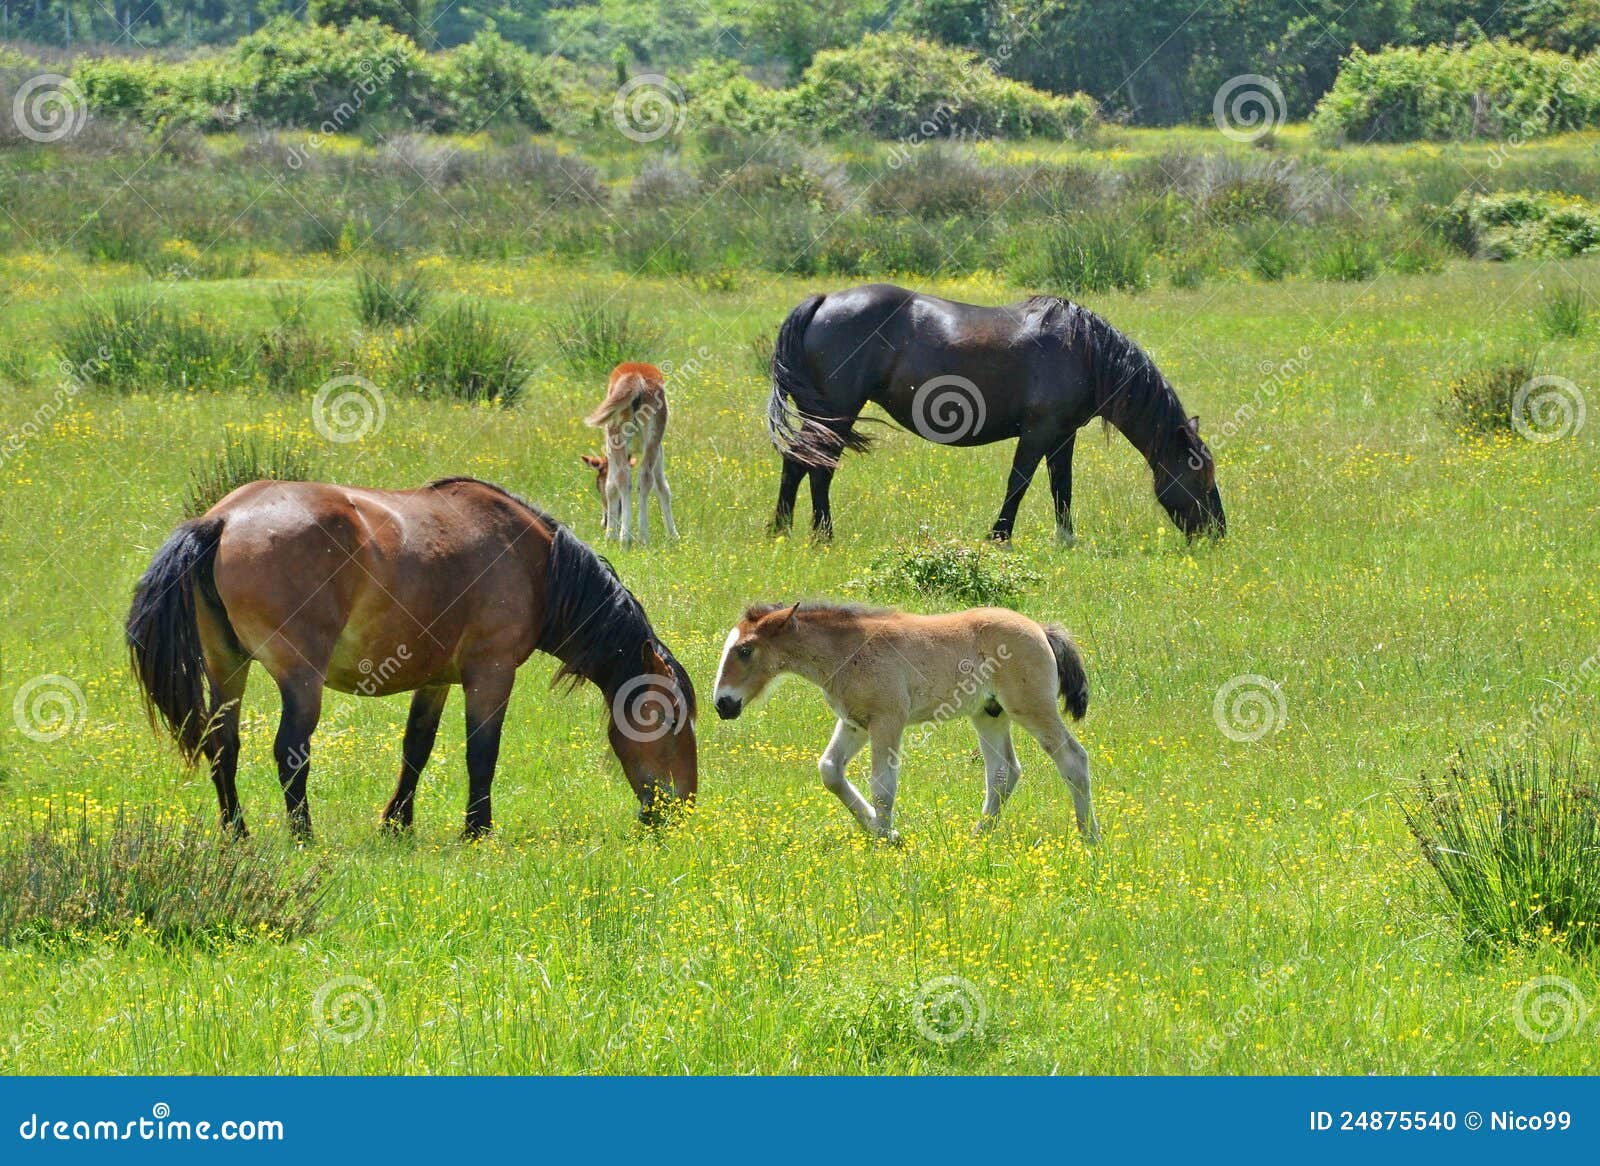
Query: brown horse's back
[(379, 590)]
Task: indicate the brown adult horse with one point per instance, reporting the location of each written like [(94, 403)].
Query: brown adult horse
[(385, 591), (960, 374)]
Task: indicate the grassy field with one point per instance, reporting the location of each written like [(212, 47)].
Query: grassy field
[(1255, 906)]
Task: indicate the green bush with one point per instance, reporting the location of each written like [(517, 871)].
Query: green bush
[(1350, 256), (1084, 254), (1480, 399), (385, 299), (240, 462), (490, 80), (134, 342), (595, 334), (1563, 312), (1512, 843), (465, 353), (1518, 223), (1493, 89), (180, 883), (895, 86), (953, 570)]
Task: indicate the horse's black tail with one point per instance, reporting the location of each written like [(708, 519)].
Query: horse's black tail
[(164, 635), (1069, 667), (798, 413)]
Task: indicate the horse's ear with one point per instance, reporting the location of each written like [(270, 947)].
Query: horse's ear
[(1194, 424), (653, 660), (788, 620), (589, 459)]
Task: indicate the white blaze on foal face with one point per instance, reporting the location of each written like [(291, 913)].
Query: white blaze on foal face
[(739, 677)]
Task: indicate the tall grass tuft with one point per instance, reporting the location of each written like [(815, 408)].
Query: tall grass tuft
[(467, 354), (1088, 254), (385, 299), (953, 570), (241, 462), (1563, 313), (1515, 845), (131, 342), (596, 334), (143, 873), (1480, 399)]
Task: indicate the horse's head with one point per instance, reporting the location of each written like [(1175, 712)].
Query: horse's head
[(1186, 484), (751, 657), (652, 732)]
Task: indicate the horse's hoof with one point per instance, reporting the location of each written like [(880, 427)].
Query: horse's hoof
[(476, 833), (984, 825), (394, 828)]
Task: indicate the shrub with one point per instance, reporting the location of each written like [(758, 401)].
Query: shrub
[(385, 299), (131, 341), (181, 883), (1271, 250), (1085, 254), (1480, 399), (1492, 89), (597, 333), (937, 181), (895, 86), (1563, 312), (1517, 223), (490, 80), (721, 97), (1512, 843), (956, 571), (1347, 257), (465, 353), (334, 79), (241, 462)]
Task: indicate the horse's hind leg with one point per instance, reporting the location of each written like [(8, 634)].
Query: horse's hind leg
[(422, 726), (788, 488), (301, 691), (487, 689), (658, 481), (1000, 767), (1072, 761), (221, 744), (821, 507)]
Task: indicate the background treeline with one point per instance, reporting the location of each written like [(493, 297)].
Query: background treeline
[(1156, 62)]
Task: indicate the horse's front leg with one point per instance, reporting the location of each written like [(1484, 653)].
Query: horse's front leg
[(1023, 463), (422, 726), (885, 776), (821, 507), (847, 741), (1059, 461), (488, 689)]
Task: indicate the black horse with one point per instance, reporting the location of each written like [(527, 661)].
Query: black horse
[(960, 374)]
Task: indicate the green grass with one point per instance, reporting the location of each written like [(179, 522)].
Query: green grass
[(1254, 906)]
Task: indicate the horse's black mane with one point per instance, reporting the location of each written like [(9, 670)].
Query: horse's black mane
[(593, 624), (1130, 391)]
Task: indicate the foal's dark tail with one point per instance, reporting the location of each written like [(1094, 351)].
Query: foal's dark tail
[(164, 636), (1069, 667), (798, 413)]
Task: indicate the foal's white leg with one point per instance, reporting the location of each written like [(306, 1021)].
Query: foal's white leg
[(885, 776), (664, 495), (1000, 768), (622, 476), (1072, 760), (642, 533), (846, 743)]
